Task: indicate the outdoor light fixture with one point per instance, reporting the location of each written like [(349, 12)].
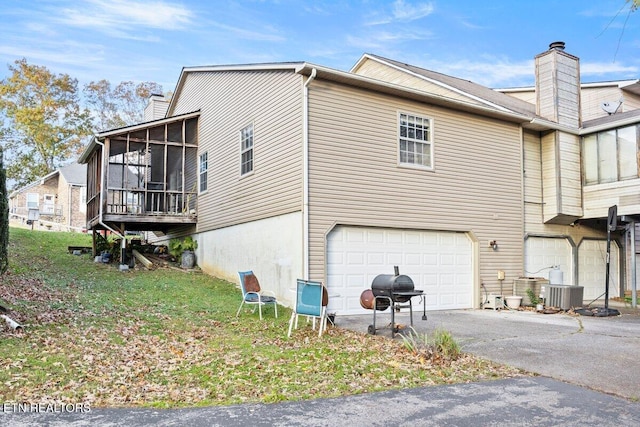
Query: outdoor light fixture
[(493, 244)]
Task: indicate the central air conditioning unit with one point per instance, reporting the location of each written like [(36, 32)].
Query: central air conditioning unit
[(564, 297)]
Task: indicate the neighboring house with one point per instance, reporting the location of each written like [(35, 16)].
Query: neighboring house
[(305, 171), (58, 200)]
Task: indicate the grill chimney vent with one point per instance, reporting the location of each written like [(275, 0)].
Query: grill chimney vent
[(556, 46)]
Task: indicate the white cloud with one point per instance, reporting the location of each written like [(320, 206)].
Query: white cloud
[(492, 72), (604, 68), (411, 12), (400, 12), (128, 15), (268, 34)]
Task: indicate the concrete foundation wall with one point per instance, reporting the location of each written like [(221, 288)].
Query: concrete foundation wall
[(271, 247)]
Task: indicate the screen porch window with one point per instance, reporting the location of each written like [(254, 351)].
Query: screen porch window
[(415, 141), (204, 169), (246, 150)]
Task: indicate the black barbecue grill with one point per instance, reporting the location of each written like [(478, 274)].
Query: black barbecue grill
[(395, 291)]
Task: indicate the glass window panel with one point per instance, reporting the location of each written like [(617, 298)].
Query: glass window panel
[(607, 159), (413, 133), (590, 159), (204, 167), (627, 152)]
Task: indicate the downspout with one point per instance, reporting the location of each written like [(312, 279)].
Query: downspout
[(305, 175), (69, 205), (634, 289)]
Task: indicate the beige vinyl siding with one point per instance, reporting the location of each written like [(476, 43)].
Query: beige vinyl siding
[(354, 177), (230, 101), (524, 95), (533, 197), (561, 178), (532, 175), (630, 101), (379, 71), (571, 177), (592, 98), (624, 194)]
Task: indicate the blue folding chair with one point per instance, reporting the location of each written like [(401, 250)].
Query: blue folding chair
[(311, 301), (252, 294)]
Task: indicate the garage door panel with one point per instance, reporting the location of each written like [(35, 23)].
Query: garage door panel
[(355, 258), (438, 262), (592, 264), (542, 253)]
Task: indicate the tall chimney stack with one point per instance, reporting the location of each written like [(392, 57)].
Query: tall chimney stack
[(558, 86)]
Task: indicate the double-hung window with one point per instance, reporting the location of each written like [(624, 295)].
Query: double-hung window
[(246, 150), (415, 141), (204, 169)]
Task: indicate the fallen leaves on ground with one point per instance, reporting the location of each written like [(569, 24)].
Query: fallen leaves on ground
[(120, 359)]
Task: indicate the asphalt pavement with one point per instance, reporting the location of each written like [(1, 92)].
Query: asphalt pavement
[(587, 372)]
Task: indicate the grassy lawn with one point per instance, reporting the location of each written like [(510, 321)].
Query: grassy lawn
[(166, 338)]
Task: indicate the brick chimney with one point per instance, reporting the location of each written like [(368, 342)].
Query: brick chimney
[(558, 86)]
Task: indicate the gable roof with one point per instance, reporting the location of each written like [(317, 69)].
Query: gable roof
[(481, 100), (75, 173), (477, 92)]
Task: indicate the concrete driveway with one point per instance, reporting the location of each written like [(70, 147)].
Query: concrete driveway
[(600, 353)]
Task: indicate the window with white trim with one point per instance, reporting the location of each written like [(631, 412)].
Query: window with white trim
[(33, 200), (246, 150), (203, 171), (415, 141)]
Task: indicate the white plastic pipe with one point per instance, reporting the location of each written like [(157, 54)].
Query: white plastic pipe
[(12, 323)]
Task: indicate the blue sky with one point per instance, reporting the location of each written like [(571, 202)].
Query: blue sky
[(489, 42)]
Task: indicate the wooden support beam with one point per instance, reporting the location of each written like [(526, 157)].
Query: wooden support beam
[(142, 259)]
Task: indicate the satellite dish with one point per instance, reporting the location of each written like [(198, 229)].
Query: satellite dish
[(610, 107)]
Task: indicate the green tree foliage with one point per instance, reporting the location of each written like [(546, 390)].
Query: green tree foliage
[(43, 124), (4, 218), (122, 105)]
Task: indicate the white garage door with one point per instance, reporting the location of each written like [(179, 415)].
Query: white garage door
[(440, 263), (542, 253), (592, 268)]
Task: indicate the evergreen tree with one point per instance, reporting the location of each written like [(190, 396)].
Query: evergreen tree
[(4, 218)]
